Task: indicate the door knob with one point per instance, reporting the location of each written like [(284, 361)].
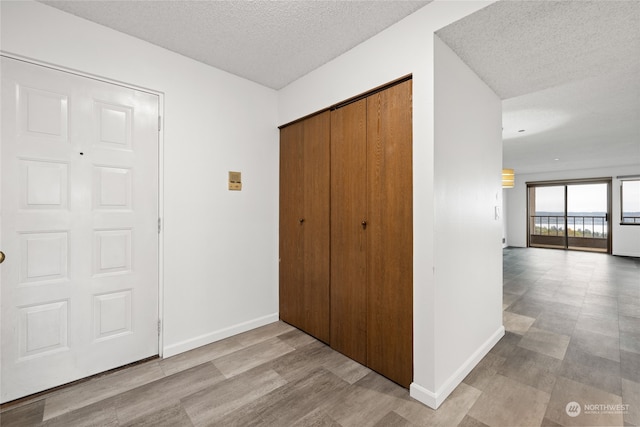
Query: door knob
[(301, 220), (364, 224), (1, 257)]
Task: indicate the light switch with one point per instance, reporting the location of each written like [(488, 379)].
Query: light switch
[(235, 181)]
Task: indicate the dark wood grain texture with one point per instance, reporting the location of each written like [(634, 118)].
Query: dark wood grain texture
[(291, 210), (390, 233), (304, 225), (317, 146), (348, 237)]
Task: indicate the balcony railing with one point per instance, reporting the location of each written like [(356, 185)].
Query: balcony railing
[(579, 232), (630, 219), (588, 227)]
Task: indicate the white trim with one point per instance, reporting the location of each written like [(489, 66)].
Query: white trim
[(218, 335), (78, 72), (160, 96), (161, 216), (423, 395), (434, 400), (627, 253)]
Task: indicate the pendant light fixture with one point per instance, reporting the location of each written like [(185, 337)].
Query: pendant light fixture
[(508, 178)]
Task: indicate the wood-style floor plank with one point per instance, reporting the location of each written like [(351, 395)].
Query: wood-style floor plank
[(101, 388), (216, 402), (561, 344), (166, 392)]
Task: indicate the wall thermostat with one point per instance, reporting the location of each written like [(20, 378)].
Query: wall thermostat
[(235, 181)]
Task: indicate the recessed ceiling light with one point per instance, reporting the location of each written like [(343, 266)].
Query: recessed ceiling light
[(556, 159)]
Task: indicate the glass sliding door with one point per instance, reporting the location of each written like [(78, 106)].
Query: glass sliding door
[(588, 217), (570, 215), (547, 216)]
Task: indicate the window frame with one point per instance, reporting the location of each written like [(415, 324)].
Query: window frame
[(622, 217)]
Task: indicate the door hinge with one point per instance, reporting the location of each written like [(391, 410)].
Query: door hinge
[(159, 123), (159, 225), (159, 327)]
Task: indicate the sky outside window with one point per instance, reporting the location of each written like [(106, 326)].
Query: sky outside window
[(587, 198), (630, 198), (581, 198), (550, 199)]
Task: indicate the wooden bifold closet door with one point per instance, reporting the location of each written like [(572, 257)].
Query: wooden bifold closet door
[(372, 232), (304, 225), (368, 301), (390, 233), (348, 233)]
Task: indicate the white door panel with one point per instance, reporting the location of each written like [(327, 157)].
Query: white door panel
[(79, 205)]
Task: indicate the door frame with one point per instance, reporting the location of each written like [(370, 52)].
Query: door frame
[(160, 177), (566, 183)]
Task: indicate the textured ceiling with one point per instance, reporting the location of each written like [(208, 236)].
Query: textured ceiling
[(569, 76), (270, 42), (567, 71), (520, 47)]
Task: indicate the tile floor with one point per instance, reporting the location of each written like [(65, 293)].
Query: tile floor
[(573, 335)]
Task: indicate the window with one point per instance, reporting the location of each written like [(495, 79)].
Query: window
[(630, 200)]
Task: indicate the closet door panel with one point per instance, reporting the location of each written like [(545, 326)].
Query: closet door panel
[(390, 233), (316, 231), (291, 236), (348, 236)]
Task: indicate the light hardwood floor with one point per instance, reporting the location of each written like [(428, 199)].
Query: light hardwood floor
[(573, 334)]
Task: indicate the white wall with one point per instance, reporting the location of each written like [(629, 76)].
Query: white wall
[(220, 247), (468, 234), (625, 239), (215, 122), (404, 48)]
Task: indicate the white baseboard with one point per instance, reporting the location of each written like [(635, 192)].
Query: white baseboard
[(423, 395), (627, 254), (435, 399), (195, 342)]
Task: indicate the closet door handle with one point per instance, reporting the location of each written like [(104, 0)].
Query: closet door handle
[(301, 220), (364, 224)]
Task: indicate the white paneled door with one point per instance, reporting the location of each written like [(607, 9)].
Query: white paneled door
[(79, 227)]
